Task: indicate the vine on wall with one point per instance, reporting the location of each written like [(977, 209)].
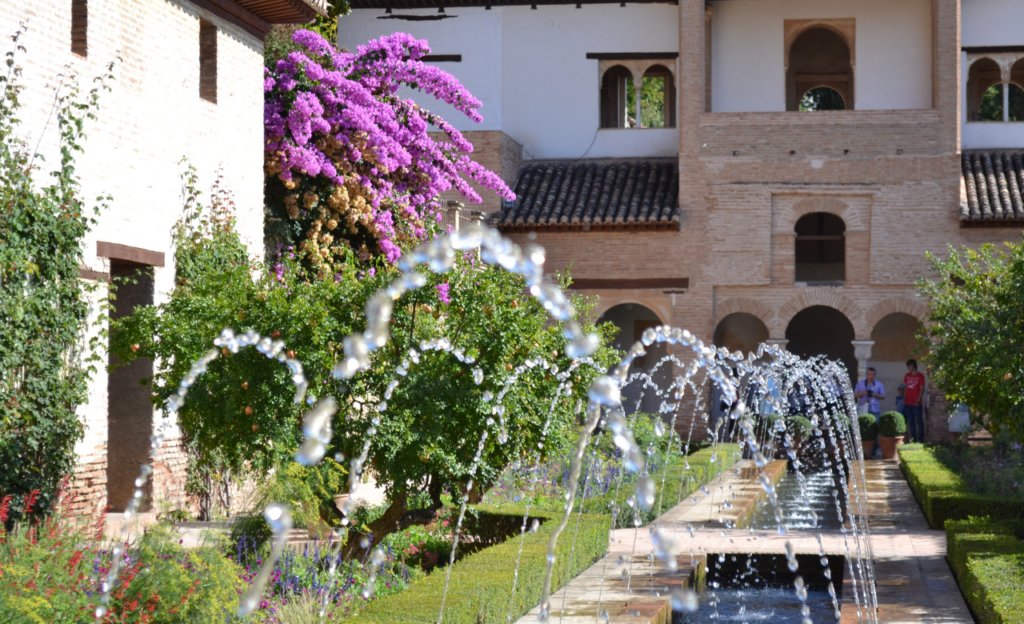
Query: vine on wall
[(44, 360)]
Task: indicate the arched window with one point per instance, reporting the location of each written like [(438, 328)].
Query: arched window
[(618, 104), (984, 101), (820, 248), (657, 99), (819, 57), (621, 97)]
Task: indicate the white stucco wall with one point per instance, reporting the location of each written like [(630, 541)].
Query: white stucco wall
[(151, 119), (551, 103), (529, 68), (475, 33), (991, 23), (892, 62)]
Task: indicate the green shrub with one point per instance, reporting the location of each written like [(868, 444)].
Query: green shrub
[(196, 585), (892, 425), (868, 427), (480, 590), (988, 560), (799, 427), (943, 495), (50, 576), (681, 478)]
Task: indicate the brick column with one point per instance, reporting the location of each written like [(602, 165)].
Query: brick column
[(946, 98)]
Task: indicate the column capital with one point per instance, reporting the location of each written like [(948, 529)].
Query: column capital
[(778, 342), (862, 349)]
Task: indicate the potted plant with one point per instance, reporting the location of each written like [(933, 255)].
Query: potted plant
[(868, 433), (891, 429)]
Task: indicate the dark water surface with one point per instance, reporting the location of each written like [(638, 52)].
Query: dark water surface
[(778, 606)]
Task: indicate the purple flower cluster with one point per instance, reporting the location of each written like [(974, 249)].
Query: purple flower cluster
[(443, 294), (336, 117)]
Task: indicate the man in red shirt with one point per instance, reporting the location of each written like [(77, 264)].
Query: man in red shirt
[(913, 407)]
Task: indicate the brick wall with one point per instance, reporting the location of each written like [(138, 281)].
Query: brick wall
[(153, 117), (745, 178), (498, 152)]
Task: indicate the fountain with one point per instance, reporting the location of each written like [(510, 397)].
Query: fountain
[(822, 495)]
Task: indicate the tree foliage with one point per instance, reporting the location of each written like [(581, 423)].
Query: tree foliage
[(44, 367), (975, 332), (241, 411)]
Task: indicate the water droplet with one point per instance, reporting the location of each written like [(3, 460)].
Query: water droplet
[(685, 600), (478, 376)]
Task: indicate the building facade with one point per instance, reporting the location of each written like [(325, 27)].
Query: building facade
[(791, 164), (187, 90)]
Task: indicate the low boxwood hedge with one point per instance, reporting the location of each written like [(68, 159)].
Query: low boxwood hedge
[(944, 496), (988, 559), (480, 590)]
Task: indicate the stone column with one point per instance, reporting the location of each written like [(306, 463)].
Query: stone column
[(862, 351)]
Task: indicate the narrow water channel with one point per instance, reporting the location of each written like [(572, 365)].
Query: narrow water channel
[(798, 510), (778, 606)]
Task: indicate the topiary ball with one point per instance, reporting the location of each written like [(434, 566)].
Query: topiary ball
[(892, 425), (868, 427)]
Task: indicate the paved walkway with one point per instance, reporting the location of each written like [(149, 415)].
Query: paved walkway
[(913, 582)]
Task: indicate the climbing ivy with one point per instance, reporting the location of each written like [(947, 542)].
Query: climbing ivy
[(44, 362)]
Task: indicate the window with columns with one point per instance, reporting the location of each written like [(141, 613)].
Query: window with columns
[(995, 87), (638, 94)]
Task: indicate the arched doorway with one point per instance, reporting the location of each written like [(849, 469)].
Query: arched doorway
[(740, 332), (819, 57), (632, 319), (821, 330), (895, 339)]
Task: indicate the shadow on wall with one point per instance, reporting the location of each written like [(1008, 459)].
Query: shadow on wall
[(632, 319), (894, 345), (821, 330)]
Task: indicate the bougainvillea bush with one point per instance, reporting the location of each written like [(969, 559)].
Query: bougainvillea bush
[(350, 166)]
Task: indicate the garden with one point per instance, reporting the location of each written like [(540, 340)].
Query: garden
[(296, 375), (468, 358)]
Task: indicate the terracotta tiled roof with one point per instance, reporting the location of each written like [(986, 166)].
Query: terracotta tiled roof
[(992, 186), (585, 195)]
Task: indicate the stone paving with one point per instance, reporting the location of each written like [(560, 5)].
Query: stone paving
[(913, 581)]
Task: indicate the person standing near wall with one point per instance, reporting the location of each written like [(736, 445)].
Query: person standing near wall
[(869, 393), (913, 408)]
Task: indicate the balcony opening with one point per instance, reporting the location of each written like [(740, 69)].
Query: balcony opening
[(984, 91), (618, 106), (657, 99), (819, 58), (820, 249)]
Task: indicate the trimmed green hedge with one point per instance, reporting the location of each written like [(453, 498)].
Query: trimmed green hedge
[(480, 590), (988, 560), (678, 479), (944, 496)]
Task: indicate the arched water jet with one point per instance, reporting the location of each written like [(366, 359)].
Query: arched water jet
[(439, 255), (316, 423), (605, 395)]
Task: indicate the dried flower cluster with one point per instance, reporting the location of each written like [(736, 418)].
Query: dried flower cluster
[(356, 168)]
